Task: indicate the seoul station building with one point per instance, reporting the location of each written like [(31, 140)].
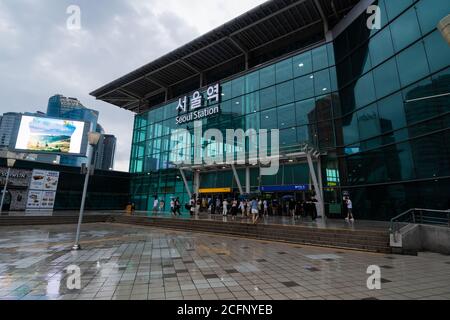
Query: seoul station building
[(371, 102)]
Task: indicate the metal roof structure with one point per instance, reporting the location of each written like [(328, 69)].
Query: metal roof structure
[(247, 40)]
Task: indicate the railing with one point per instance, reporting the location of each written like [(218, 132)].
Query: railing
[(420, 216)]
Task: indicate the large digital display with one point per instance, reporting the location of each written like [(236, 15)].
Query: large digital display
[(39, 134)]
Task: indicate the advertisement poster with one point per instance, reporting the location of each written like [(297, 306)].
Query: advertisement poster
[(43, 186), (39, 134), (34, 199)]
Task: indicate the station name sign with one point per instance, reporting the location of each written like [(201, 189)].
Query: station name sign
[(192, 109)]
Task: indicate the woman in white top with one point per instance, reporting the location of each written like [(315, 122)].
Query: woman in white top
[(225, 207)]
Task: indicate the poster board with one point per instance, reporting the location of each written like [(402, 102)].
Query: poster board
[(42, 190)]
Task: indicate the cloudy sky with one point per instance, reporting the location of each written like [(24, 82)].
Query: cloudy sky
[(40, 57)]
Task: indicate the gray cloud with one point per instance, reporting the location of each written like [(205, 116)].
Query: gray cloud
[(39, 57)]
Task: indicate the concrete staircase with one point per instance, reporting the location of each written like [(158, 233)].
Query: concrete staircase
[(364, 240)]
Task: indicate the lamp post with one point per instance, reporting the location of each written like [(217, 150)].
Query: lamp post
[(10, 163), (444, 28), (93, 139)]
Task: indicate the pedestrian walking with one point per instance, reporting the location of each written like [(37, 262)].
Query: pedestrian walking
[(349, 205), (172, 206), (225, 207), (234, 208), (254, 208), (155, 205)]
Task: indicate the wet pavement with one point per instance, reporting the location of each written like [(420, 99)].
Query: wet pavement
[(122, 262)]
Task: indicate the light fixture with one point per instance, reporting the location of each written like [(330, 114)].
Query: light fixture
[(301, 65), (311, 77), (93, 138), (267, 117), (324, 89)]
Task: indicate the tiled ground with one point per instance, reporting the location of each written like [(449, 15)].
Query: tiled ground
[(127, 262)]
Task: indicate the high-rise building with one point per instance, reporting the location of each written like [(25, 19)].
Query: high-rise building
[(60, 106), (9, 124), (105, 151)]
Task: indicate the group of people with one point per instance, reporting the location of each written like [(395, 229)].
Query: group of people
[(254, 207)]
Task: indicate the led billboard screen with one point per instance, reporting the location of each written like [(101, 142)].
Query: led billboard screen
[(40, 134)]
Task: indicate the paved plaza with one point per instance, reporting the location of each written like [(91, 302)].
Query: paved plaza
[(122, 262)]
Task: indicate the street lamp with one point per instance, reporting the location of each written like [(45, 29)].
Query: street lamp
[(93, 139), (10, 163), (444, 28)]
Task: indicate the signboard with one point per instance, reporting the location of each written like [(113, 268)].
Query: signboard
[(215, 190), (195, 103), (48, 135), (42, 193), (290, 188)]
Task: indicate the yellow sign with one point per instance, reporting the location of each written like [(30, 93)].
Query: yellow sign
[(215, 190)]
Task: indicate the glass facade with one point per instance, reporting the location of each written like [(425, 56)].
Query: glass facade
[(374, 102)]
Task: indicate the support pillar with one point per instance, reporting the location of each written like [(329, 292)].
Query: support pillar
[(313, 175), (247, 180)]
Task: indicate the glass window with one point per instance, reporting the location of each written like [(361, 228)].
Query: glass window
[(237, 106), (238, 87), (267, 76), (320, 58), (430, 12), (305, 112), (368, 122), (364, 90), (350, 129), (268, 98), (412, 64), (307, 133), (399, 163), (438, 51), (304, 87), (330, 51), (288, 137), (323, 107), (285, 93), (394, 8), (302, 64), (392, 113), (252, 102), (322, 82), (344, 72), (405, 30), (286, 116), (252, 121), (361, 62), (252, 82), (226, 91), (269, 119), (284, 70), (386, 78), (226, 107), (333, 79), (380, 47)]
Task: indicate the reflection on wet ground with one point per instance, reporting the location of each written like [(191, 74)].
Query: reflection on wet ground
[(131, 262)]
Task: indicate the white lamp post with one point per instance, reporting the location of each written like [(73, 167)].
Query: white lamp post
[(10, 163), (93, 139), (444, 28)]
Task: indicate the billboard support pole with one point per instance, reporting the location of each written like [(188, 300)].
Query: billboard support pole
[(4, 190), (93, 141)]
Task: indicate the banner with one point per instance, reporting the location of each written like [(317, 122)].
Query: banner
[(42, 191)]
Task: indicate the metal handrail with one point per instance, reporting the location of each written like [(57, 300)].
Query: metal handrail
[(394, 225)]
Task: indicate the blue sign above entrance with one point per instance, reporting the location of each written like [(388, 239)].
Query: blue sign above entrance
[(301, 187)]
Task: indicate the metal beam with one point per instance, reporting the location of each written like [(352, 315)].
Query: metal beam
[(190, 66), (236, 177), (159, 84), (130, 94), (268, 17), (186, 185), (326, 27)]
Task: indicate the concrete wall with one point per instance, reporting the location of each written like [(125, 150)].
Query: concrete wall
[(426, 238)]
